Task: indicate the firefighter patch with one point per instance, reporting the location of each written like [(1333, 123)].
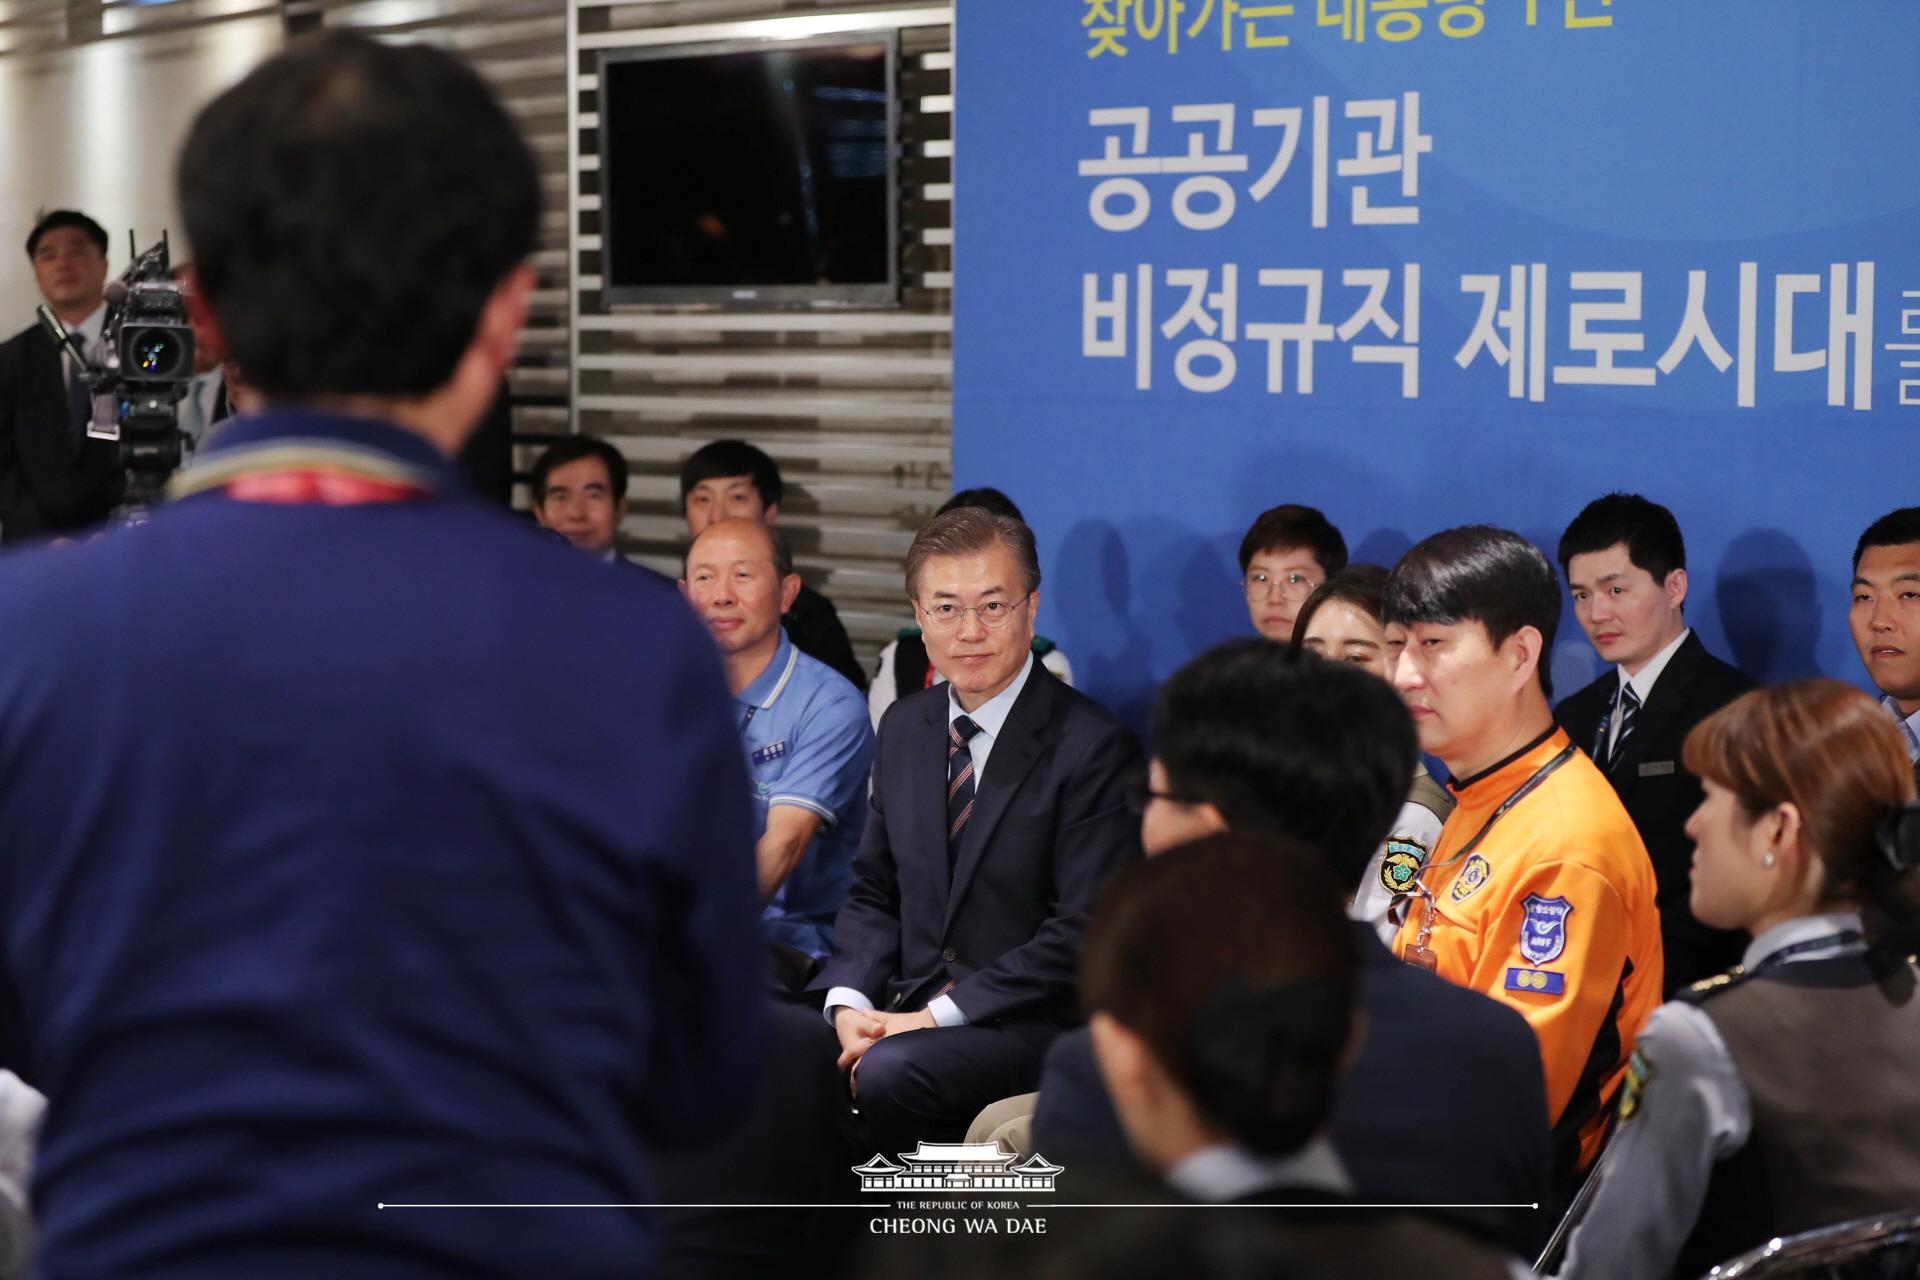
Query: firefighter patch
[(1543, 930), (1471, 877), (1401, 865)]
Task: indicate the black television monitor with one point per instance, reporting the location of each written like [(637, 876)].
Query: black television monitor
[(751, 174)]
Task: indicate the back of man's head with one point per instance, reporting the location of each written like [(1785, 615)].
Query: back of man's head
[(352, 206), (1285, 744), (1894, 529), (1232, 959), (724, 459), (1649, 531), (1478, 573), (54, 219)]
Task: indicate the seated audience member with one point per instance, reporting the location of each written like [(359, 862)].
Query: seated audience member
[(1284, 557), (1885, 617), (999, 808), (1278, 745), (1342, 623), (1626, 565), (806, 735), (732, 478), (903, 665), (1220, 983), (580, 492), (1779, 1097), (1539, 893)]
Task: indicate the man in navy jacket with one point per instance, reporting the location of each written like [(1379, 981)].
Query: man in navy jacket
[(359, 845)]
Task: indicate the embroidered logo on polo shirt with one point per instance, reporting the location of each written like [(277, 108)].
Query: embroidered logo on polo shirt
[(771, 752), (1543, 930)]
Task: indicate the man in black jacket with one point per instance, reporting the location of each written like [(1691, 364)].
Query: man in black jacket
[(1627, 566), (728, 478), (1445, 1101), (54, 479)]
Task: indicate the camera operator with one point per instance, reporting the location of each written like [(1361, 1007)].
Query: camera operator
[(360, 844), (54, 479)]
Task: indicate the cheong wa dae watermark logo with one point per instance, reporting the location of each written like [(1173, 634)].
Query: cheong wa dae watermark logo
[(958, 1168)]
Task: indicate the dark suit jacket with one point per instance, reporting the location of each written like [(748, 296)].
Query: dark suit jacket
[(1050, 823), (1660, 794), (49, 483), (1446, 1101), (814, 626)]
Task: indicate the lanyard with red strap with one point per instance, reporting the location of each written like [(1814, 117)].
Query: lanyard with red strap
[(327, 473)]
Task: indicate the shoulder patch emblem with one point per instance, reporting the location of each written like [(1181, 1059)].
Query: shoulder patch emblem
[(1639, 1071), (1471, 877), (1543, 930), (1401, 865)]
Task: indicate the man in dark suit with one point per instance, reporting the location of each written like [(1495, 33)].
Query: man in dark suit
[(999, 807), (54, 479), (1626, 564), (1445, 1100)]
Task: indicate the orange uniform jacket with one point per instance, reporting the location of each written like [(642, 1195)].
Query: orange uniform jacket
[(1553, 914)]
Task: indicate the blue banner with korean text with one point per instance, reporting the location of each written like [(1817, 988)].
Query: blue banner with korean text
[(1422, 263)]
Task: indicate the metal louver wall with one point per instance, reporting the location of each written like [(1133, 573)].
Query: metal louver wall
[(856, 406)]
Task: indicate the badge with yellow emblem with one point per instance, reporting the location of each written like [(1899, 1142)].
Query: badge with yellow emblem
[(1401, 865), (1639, 1071), (1471, 877)]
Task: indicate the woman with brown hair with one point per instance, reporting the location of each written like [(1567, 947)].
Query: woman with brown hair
[(1341, 621), (1780, 1096)]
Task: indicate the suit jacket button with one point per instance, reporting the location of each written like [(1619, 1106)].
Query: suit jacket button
[(950, 955)]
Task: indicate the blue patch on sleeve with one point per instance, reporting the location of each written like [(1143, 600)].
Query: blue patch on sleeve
[(1543, 931), (1543, 981)]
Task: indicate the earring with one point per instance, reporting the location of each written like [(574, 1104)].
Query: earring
[(1766, 860)]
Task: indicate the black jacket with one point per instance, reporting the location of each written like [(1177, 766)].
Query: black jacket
[(51, 482), (814, 627), (1659, 794)]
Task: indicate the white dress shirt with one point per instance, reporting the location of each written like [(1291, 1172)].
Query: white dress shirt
[(991, 717), (1909, 726), (1226, 1174), (1642, 684)]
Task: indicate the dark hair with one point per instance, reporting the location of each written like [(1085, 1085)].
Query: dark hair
[(968, 531), (777, 547), (1233, 959), (1287, 745), (1482, 574), (573, 449), (58, 218), (1833, 753), (1651, 534), (1292, 525), (986, 499), (723, 459), (1894, 529), (1364, 586), (352, 206)]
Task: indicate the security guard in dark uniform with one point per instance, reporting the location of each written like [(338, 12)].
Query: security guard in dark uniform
[(1781, 1096)]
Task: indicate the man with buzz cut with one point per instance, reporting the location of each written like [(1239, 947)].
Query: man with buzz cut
[(1538, 892), (1626, 565), (1885, 617)]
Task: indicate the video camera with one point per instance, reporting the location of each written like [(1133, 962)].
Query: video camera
[(148, 362)]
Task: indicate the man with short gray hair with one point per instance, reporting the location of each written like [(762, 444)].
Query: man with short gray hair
[(999, 809)]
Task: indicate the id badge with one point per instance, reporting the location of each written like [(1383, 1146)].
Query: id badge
[(1421, 956)]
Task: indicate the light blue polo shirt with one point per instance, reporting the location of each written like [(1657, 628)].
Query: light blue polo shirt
[(809, 743)]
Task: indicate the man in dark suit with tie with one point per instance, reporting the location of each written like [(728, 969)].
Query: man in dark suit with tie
[(53, 478), (1627, 566), (999, 807)]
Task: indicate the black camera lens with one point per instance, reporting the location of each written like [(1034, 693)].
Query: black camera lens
[(156, 353)]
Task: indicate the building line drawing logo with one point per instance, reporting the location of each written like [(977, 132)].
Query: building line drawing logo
[(958, 1168)]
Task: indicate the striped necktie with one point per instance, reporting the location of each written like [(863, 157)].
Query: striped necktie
[(959, 782), (1628, 711)]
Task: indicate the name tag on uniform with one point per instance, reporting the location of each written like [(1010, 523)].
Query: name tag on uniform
[(1544, 981), (1656, 768), (771, 752)]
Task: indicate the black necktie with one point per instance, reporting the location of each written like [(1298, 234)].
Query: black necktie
[(959, 783), (1628, 710), (79, 403)]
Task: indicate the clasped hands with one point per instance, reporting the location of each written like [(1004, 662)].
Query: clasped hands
[(860, 1029)]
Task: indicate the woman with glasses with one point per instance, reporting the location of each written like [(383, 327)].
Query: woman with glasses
[(1286, 553), (1780, 1096), (1341, 622)]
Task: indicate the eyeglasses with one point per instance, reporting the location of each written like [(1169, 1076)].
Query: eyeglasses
[(1140, 794), (1293, 586), (994, 614)]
